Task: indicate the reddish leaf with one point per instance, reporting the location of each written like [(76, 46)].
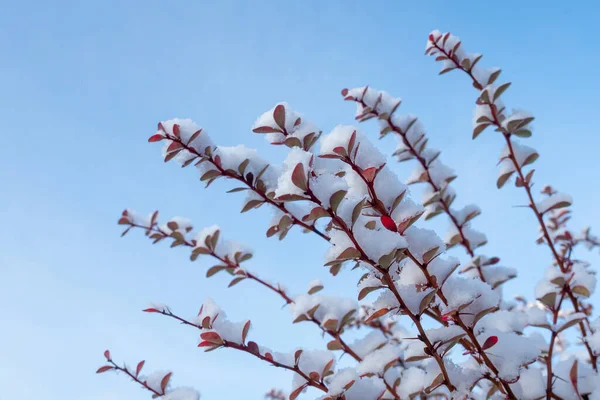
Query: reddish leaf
[(107, 354), (205, 343), (389, 223), (151, 310), (245, 331), (369, 174), (211, 337), (165, 381), (489, 342), (339, 150), (253, 347), (104, 369), (176, 130), (156, 138), (139, 367), (299, 177), (573, 375), (265, 129), (344, 92), (279, 116)]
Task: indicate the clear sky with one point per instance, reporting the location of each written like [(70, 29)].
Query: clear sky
[(83, 84)]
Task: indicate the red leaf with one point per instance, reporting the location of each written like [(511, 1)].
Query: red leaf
[(156, 138), (299, 177), (489, 342), (339, 150), (369, 173), (253, 347), (245, 331), (211, 337), (279, 116), (107, 354), (205, 343), (176, 130), (165, 381), (139, 367), (150, 310), (344, 92), (389, 223), (104, 369), (265, 129)]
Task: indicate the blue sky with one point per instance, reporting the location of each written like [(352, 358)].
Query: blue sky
[(83, 85)]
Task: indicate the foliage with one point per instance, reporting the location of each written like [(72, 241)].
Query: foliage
[(339, 187)]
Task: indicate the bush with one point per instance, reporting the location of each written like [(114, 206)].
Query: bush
[(339, 187)]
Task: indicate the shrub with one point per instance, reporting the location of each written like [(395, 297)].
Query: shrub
[(339, 187)]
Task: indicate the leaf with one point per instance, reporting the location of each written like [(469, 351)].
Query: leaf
[(139, 367), (279, 116), (349, 254), (299, 177), (489, 342), (365, 291), (245, 331), (430, 254), (573, 375), (176, 130), (265, 129), (379, 313), (315, 289), (500, 89), (570, 323), (210, 174), (439, 380), (107, 355), (478, 129), (549, 299), (151, 310), (212, 337), (331, 324), (297, 392), (171, 155), (236, 281), (104, 369), (581, 290), (351, 142), (253, 347), (251, 204), (369, 174), (156, 138), (357, 210), (502, 179), (239, 189), (425, 301), (336, 199), (523, 133), (194, 136), (165, 381), (388, 223), (213, 270), (494, 76), (297, 355)]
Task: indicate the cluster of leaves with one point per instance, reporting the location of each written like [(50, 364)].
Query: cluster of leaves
[(345, 193)]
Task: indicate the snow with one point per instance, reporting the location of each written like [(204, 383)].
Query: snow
[(364, 346), (182, 394), (420, 241), (187, 128), (284, 184), (554, 201), (376, 361), (329, 307)]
